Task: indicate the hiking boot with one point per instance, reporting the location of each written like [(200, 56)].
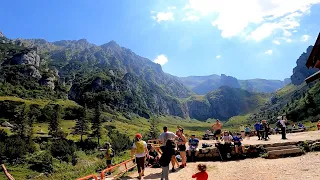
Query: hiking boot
[(182, 166), (173, 170)]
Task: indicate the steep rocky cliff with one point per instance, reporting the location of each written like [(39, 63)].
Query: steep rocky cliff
[(301, 72)]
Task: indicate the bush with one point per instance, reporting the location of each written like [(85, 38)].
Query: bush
[(120, 142), (63, 149), (41, 162), (87, 145), (14, 147)]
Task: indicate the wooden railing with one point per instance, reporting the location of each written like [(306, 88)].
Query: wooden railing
[(125, 165), (88, 177), (6, 172)]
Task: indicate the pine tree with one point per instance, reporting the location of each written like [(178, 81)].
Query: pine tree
[(96, 123), (153, 131), (82, 126), (54, 123), (20, 120)]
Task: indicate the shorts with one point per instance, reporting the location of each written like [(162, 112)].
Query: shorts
[(182, 148), (109, 162), (217, 132), (140, 163), (237, 144), (192, 149), (247, 133)]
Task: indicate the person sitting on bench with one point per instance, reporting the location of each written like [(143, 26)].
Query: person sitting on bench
[(193, 145), (300, 126), (227, 138), (153, 159), (237, 143)]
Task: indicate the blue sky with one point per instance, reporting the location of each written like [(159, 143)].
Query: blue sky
[(245, 39)]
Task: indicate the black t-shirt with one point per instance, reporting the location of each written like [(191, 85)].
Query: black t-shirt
[(153, 154), (166, 156)]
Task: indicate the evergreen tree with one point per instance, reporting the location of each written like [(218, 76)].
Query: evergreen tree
[(153, 131), (82, 126), (54, 123), (20, 120), (96, 123), (309, 101)]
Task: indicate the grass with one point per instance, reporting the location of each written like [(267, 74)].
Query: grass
[(41, 102)]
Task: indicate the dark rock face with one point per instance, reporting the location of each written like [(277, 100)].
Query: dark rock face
[(301, 72)]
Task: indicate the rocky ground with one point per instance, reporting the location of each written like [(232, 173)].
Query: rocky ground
[(302, 167)]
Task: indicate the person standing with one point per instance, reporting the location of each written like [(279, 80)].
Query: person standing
[(167, 153), (140, 150), (283, 128), (318, 125), (109, 155), (217, 127), (182, 147), (257, 128), (163, 138)]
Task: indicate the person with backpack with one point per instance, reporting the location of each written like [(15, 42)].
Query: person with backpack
[(140, 150), (257, 128), (163, 138), (109, 155), (167, 153)]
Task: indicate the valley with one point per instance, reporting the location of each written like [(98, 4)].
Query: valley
[(78, 95)]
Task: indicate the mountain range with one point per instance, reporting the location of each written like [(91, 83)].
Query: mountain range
[(204, 84), (121, 81)]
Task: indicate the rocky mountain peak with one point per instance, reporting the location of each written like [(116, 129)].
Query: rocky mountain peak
[(1, 34)]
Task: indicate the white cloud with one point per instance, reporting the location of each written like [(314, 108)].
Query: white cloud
[(269, 52), (161, 59), (191, 18), (164, 16), (172, 7), (288, 40), (233, 17), (305, 38), (218, 56), (276, 42)]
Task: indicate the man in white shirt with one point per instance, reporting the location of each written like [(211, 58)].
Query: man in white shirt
[(163, 139)]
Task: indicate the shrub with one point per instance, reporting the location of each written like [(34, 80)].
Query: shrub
[(41, 162), (63, 149)]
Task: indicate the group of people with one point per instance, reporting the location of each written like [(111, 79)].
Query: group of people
[(169, 141)]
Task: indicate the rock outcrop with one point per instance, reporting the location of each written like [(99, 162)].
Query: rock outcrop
[(29, 58), (301, 72), (1, 34)]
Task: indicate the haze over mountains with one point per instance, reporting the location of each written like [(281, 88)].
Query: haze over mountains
[(204, 84)]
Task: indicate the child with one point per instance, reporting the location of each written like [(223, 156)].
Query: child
[(167, 153), (237, 143), (202, 175)]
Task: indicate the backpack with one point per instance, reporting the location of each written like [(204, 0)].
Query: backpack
[(140, 147), (278, 124), (112, 153)]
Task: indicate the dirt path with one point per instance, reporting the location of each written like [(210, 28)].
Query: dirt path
[(303, 167)]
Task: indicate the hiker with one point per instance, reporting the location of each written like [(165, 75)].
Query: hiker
[(153, 159), (193, 146), (300, 126), (202, 175), (257, 128), (227, 139), (264, 129), (282, 124), (237, 143), (318, 125), (109, 155), (182, 147), (247, 131), (140, 150), (217, 129), (167, 153), (166, 135)]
